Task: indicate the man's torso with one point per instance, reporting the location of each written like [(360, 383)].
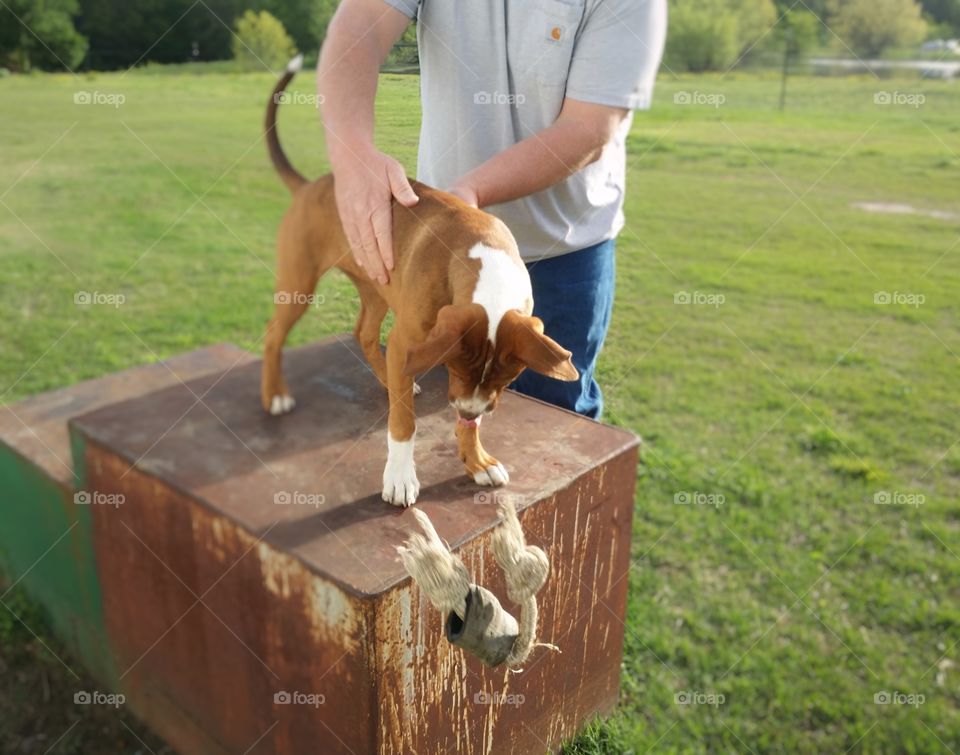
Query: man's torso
[(493, 74)]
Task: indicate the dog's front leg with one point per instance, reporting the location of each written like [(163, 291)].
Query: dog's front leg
[(400, 483), (481, 466)]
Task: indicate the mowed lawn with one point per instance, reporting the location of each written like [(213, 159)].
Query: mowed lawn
[(789, 359)]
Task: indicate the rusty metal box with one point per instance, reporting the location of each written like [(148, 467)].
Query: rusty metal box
[(252, 592)]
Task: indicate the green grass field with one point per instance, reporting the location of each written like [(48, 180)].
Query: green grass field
[(783, 400)]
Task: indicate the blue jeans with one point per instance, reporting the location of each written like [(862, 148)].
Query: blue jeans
[(573, 295)]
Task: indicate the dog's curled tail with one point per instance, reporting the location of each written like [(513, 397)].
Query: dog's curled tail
[(293, 179)]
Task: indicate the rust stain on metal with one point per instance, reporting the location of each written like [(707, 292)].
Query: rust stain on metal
[(266, 624)]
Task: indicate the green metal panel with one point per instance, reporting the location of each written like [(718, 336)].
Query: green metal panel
[(46, 547)]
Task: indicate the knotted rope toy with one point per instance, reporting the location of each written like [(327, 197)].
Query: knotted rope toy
[(475, 619)]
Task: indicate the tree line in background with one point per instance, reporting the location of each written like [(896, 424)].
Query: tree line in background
[(703, 34), (109, 34), (710, 35)]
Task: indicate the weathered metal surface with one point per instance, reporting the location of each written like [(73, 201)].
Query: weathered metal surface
[(308, 595), (265, 625), (36, 428), (44, 536)]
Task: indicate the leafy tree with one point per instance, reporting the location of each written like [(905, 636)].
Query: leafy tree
[(306, 20), (816, 7), (714, 34), (702, 36), (871, 27), (166, 31), (755, 21), (261, 40), (173, 31), (41, 33), (944, 12), (798, 31), (208, 28)]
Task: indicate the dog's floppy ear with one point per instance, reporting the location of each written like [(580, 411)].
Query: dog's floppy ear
[(445, 340), (537, 352)]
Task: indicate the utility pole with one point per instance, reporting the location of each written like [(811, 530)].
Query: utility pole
[(787, 50)]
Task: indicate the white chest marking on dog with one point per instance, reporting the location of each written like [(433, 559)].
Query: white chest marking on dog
[(475, 404), (503, 285)]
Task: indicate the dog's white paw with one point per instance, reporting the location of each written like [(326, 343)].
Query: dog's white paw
[(417, 390), (401, 489), (282, 405), (400, 484), (402, 492), (495, 476)]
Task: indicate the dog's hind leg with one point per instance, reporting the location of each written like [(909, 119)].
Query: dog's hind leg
[(294, 294), (367, 332), (274, 393)]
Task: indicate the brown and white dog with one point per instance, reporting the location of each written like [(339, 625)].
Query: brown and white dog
[(460, 295)]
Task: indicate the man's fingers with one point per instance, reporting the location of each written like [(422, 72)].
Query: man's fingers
[(399, 185), (366, 211), (383, 230), (371, 254), (353, 241)]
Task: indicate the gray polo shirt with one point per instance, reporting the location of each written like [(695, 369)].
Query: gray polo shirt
[(494, 72)]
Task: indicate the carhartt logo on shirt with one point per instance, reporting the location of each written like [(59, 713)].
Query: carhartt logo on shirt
[(556, 33)]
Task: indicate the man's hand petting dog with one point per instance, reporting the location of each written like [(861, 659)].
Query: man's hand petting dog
[(366, 182)]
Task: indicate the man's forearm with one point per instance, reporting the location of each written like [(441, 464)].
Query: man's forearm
[(536, 163), (367, 181), (358, 40), (347, 82), (543, 159)]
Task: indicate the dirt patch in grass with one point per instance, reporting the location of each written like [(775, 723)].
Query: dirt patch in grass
[(896, 208)]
